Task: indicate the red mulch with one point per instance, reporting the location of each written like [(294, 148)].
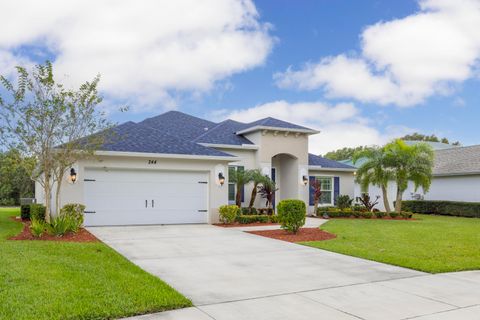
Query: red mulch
[(236, 224), (81, 236), (304, 234)]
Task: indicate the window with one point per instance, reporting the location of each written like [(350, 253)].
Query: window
[(232, 187), (326, 185)]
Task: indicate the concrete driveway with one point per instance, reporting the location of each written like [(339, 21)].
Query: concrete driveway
[(230, 274)]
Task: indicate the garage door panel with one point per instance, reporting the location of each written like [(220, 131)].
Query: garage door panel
[(117, 197)]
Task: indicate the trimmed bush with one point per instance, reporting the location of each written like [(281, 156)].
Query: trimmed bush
[(380, 214), (367, 215), (228, 213), (252, 218), (268, 211), (393, 214), (37, 212), (448, 208), (344, 201), (406, 215), (248, 211), (292, 214), (25, 211)]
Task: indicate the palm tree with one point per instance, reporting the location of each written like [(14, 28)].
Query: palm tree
[(374, 171), (409, 163), (267, 190), (257, 178), (240, 177)]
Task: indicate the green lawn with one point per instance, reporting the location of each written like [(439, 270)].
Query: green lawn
[(54, 280), (432, 243)]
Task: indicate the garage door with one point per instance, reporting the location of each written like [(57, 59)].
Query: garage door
[(129, 197)]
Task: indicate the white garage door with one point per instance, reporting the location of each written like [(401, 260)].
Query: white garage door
[(129, 197)]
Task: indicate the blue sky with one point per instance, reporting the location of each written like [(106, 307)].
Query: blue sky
[(362, 72)]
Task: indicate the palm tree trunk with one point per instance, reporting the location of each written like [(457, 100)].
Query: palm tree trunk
[(385, 199), (398, 201), (253, 195), (238, 198)]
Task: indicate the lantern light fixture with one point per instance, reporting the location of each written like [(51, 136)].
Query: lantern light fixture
[(221, 178), (305, 180), (73, 175)]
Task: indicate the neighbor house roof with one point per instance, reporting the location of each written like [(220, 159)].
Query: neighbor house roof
[(457, 161), (324, 163)]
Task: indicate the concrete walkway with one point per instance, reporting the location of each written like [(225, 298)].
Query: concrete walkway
[(230, 274)]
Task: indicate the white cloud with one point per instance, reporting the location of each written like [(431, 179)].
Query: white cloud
[(341, 125), (403, 61), (148, 50)]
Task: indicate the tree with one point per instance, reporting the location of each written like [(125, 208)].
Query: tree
[(345, 153), (256, 177), (374, 171), (431, 138), (45, 120), (267, 191), (316, 186), (15, 176), (409, 163), (240, 177)]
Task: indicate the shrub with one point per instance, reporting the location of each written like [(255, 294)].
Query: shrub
[(37, 228), (37, 212), (7, 202), (449, 208), (248, 211), (357, 214), (59, 226), (393, 214), (359, 207), (344, 201), (25, 211), (380, 214), (75, 212), (268, 211), (228, 213), (273, 218), (406, 215), (367, 215), (292, 214), (252, 218)]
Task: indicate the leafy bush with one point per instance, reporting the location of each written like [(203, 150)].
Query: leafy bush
[(25, 211), (75, 212), (59, 226), (228, 213), (7, 202), (380, 214), (37, 228), (292, 214), (268, 211), (406, 215), (359, 207), (449, 208), (248, 211), (273, 218), (357, 214), (393, 214), (367, 215), (252, 218), (37, 212), (344, 201)]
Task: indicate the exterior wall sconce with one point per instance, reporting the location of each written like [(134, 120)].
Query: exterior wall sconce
[(73, 175), (305, 180), (221, 178)]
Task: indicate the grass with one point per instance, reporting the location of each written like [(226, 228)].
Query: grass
[(432, 244), (59, 280)]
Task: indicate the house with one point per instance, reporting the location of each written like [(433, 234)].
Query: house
[(456, 177), (168, 169)]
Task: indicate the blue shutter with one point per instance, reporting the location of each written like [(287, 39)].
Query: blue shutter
[(311, 179), (336, 189)]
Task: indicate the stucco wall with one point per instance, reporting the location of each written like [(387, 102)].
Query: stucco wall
[(217, 195)]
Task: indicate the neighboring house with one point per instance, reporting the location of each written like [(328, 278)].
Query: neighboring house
[(456, 177), (167, 169)]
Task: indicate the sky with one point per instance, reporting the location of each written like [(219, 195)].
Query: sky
[(361, 72)]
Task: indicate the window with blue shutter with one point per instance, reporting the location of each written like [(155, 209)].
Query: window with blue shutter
[(336, 189)]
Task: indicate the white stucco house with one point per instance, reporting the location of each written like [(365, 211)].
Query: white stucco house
[(456, 177), (167, 169)]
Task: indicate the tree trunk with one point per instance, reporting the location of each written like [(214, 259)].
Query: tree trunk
[(238, 197), (253, 195), (57, 194), (398, 201), (315, 207), (385, 199), (48, 199)]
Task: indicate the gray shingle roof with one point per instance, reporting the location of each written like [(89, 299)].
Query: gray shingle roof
[(457, 161), (314, 160), (275, 123), (224, 133), (132, 137)]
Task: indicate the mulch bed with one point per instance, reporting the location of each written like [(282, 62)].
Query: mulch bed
[(304, 234), (236, 224), (81, 236)]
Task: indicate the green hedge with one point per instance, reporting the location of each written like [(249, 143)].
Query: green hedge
[(365, 214), (25, 211), (252, 218), (448, 208)]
